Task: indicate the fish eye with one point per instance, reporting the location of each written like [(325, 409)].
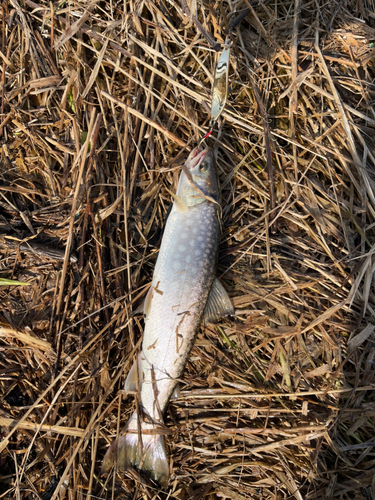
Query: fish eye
[(203, 167)]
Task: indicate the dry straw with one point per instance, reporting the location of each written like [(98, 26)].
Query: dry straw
[(100, 102)]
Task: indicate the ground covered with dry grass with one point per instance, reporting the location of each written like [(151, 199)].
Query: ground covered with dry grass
[(100, 104)]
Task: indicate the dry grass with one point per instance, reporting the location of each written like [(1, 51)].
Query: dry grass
[(100, 102)]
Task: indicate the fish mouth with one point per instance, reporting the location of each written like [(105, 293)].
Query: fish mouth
[(195, 157)]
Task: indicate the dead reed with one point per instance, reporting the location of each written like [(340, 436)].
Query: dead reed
[(100, 103)]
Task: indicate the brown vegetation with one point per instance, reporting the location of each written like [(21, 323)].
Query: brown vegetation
[(100, 104)]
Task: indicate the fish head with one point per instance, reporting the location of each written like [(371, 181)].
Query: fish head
[(198, 172)]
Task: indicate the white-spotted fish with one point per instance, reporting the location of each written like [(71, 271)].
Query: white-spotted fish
[(184, 290)]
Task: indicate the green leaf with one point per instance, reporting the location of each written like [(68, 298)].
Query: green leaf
[(71, 100), (5, 282), (84, 139)]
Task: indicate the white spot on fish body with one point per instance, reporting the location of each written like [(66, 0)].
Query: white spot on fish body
[(176, 265)]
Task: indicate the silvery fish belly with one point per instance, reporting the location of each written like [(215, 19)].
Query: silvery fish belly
[(183, 291)]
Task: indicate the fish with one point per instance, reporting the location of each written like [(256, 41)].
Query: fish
[(184, 292)]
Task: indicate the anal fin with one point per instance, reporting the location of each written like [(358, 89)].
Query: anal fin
[(131, 384), (144, 306), (218, 304)]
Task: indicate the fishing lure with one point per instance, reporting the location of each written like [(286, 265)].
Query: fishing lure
[(220, 90), (220, 87)]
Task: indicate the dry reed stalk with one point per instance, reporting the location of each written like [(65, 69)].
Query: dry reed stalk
[(278, 401)]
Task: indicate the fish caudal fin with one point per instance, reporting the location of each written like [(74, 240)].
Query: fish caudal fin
[(149, 456)]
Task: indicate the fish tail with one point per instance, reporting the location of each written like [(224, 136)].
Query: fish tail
[(149, 455)]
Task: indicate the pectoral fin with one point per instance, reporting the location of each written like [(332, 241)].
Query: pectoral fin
[(180, 204), (218, 303)]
